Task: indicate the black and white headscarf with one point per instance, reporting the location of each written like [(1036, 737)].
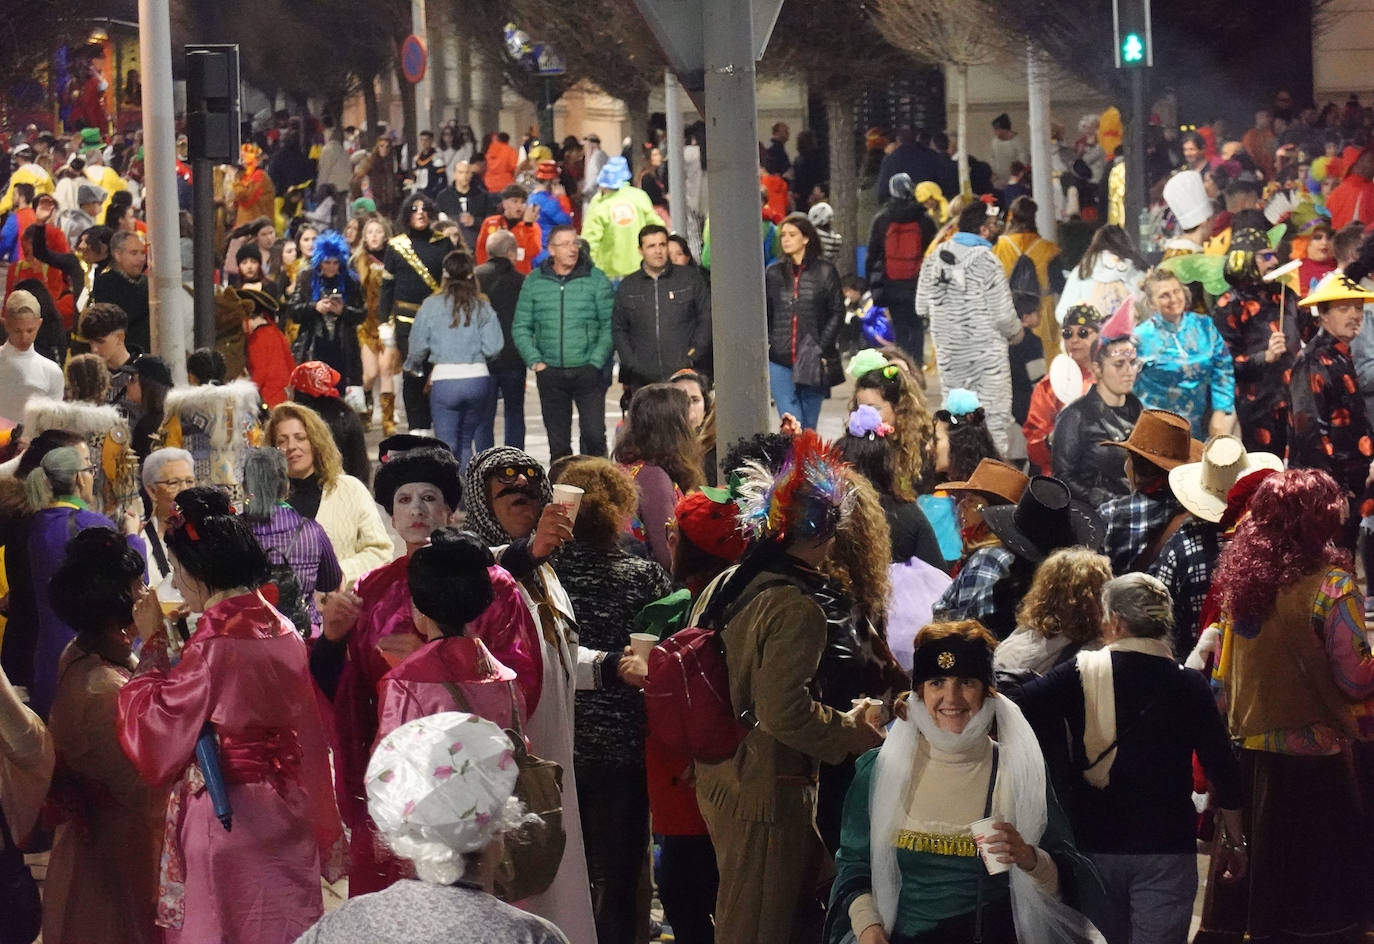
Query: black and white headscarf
[(479, 515)]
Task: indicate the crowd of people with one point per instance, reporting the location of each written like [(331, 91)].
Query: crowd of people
[(994, 668)]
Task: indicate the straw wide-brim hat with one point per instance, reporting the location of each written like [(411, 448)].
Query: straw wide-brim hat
[(1163, 438), (1201, 487), (1046, 518), (994, 480)]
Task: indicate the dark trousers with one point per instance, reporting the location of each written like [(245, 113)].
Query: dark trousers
[(687, 881), (907, 329), (615, 833), (507, 385), (559, 389), (412, 388)]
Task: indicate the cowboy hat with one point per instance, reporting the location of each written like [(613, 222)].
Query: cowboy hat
[(994, 480), (1163, 438), (1337, 287), (1045, 519), (1201, 487)]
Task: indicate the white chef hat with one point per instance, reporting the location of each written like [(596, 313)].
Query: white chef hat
[(1186, 195)]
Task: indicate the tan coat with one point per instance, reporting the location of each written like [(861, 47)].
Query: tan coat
[(760, 805)]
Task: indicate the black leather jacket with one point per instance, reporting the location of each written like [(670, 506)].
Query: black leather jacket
[(318, 339), (1094, 473)]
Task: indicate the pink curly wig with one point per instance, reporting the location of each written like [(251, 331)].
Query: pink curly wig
[(1295, 517)]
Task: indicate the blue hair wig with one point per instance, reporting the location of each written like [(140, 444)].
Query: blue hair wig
[(330, 244)]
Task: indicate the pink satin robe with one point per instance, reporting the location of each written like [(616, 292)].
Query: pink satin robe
[(417, 688), (507, 629), (245, 668)]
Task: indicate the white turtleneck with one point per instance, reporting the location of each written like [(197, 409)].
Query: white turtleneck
[(23, 376)]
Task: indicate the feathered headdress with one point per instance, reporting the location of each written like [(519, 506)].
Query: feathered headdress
[(805, 498)]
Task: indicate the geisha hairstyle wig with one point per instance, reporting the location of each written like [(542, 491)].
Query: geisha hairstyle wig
[(214, 545), (92, 589), (448, 578)]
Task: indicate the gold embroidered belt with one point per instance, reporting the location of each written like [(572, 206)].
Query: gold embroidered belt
[(937, 843)]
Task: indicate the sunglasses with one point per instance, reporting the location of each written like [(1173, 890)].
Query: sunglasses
[(1083, 333), (510, 473), (959, 419)]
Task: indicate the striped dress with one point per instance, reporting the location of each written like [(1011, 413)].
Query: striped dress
[(963, 295)]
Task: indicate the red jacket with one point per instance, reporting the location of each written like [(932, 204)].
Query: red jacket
[(501, 163), (1352, 200), (1044, 410), (269, 362), (528, 240)]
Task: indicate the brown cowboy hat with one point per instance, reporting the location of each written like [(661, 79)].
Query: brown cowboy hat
[(994, 480), (1163, 438)]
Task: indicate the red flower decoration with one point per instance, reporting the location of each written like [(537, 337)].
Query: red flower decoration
[(1262, 436), (1349, 382), (1340, 417), (1317, 382), (1366, 447)]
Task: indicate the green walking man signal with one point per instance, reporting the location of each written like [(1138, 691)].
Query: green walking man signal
[(1131, 26)]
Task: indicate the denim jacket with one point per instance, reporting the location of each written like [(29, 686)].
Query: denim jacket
[(434, 339)]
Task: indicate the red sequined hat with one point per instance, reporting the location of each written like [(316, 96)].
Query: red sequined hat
[(315, 379), (711, 525)]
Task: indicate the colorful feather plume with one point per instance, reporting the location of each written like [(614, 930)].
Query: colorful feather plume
[(805, 498)]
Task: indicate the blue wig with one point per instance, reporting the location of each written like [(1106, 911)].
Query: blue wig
[(330, 245)]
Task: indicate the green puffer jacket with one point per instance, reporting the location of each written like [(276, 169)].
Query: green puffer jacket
[(564, 321)]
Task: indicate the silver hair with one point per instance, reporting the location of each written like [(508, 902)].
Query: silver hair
[(118, 240), (264, 481), (1143, 602), (152, 466), (500, 244)]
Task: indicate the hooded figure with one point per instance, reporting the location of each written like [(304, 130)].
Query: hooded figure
[(506, 493)]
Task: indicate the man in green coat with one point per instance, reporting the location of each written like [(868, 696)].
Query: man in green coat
[(562, 329), (614, 218)]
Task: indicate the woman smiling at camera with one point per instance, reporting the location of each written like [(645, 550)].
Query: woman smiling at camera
[(909, 868)]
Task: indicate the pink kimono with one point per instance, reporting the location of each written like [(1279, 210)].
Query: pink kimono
[(423, 685), (507, 629), (245, 669)]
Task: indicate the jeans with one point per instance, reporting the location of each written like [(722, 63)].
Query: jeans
[(687, 881), (802, 402), (412, 387), (1149, 898), (458, 407), (615, 833), (507, 385), (559, 389)]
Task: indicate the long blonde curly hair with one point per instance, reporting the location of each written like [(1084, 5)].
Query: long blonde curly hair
[(862, 550), (913, 424), (1065, 597)]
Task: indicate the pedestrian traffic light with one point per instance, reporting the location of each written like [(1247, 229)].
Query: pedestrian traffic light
[(1131, 25), (212, 103)]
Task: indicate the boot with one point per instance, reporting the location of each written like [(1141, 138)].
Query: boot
[(388, 414), (366, 412)]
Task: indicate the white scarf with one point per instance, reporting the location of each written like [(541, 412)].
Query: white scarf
[(1038, 916), (1099, 702)]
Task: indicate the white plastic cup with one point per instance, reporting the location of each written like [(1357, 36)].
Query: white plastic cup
[(983, 831), (570, 497), (643, 644), (872, 710)]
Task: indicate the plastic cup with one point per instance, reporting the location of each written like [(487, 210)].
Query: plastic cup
[(643, 644), (872, 710), (983, 831), (570, 497)]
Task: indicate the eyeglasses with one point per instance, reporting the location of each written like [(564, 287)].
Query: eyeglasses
[(1083, 333), (177, 483), (959, 419), (510, 473), (418, 209)]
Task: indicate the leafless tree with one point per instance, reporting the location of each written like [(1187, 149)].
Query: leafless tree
[(958, 33)]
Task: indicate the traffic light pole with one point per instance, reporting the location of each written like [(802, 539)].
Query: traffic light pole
[(1135, 158)]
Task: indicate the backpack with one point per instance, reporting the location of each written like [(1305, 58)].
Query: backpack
[(1024, 282), (290, 601), (687, 694), (903, 250)]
